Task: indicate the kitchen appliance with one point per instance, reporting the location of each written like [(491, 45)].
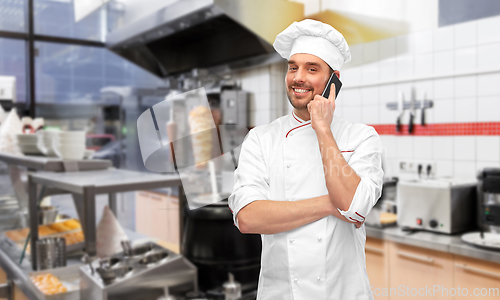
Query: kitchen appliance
[(144, 274), (216, 247), (441, 205), (489, 200), (51, 253), (183, 35)]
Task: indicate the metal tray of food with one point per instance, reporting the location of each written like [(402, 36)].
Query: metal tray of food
[(68, 276), (18, 237)]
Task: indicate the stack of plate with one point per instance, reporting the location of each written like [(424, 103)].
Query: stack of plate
[(70, 144), (27, 143), (45, 141)]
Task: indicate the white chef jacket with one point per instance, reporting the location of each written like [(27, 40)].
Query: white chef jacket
[(324, 259)]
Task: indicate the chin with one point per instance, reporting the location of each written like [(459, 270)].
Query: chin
[(296, 103)]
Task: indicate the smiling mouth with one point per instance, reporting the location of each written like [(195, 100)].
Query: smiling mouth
[(300, 91)]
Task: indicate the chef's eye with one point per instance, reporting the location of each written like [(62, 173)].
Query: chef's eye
[(292, 69), (312, 69)]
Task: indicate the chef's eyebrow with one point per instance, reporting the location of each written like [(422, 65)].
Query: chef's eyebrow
[(292, 62)]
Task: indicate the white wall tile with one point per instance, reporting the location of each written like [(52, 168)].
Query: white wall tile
[(488, 84), (370, 114), (352, 113), (388, 69), (488, 148), (424, 65), (466, 34), (387, 48), (387, 93), (444, 62), (404, 67), (370, 95), (262, 117), (465, 110), (356, 55), (487, 30), (404, 147), (465, 86), (351, 97), (424, 88), (465, 170), (263, 101), (423, 147), (389, 145), (442, 148), (444, 88), (405, 45), (466, 59), (444, 38), (424, 42), (370, 52), (488, 109), (481, 165), (388, 116), (351, 76), (370, 73), (488, 56), (444, 168), (464, 148)]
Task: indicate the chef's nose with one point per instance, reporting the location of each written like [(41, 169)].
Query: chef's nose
[(299, 75)]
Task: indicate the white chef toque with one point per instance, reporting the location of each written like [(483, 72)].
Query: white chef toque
[(316, 38)]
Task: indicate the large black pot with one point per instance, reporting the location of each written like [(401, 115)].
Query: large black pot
[(216, 247)]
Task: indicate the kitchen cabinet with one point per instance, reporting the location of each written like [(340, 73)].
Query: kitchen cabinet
[(478, 278), (18, 294), (3, 276), (415, 272), (157, 215), (377, 266)]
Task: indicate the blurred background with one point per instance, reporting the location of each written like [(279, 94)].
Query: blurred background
[(425, 74)]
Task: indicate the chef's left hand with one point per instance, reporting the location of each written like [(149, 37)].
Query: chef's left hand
[(321, 110)]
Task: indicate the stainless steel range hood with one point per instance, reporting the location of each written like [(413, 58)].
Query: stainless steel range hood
[(191, 34)]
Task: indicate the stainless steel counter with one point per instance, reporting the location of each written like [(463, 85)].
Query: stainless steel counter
[(19, 273), (434, 241), (84, 186)]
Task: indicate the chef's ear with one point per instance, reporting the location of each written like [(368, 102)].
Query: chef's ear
[(337, 73)]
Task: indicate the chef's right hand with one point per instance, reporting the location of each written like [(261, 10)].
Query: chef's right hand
[(358, 224)]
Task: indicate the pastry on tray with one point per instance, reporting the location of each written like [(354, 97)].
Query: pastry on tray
[(48, 284), (72, 224)]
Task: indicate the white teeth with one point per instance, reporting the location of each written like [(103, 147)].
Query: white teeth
[(301, 90)]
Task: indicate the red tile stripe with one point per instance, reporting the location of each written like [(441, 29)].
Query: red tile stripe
[(479, 128)]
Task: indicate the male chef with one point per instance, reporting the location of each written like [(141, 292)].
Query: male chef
[(307, 181)]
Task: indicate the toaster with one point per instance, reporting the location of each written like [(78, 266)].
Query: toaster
[(440, 205)]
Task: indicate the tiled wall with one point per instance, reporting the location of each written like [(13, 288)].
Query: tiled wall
[(266, 85), (458, 67)]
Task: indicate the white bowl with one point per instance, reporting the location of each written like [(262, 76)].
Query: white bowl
[(74, 152), (72, 134)]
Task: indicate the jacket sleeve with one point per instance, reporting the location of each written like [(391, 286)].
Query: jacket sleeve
[(251, 178), (366, 161)]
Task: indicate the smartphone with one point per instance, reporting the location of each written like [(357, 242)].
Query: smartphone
[(338, 85)]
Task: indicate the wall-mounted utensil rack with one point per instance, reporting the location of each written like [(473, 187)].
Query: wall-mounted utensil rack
[(407, 104)]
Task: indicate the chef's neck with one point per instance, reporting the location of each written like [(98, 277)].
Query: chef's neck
[(302, 114)]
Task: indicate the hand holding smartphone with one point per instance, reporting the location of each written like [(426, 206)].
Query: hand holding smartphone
[(333, 79)]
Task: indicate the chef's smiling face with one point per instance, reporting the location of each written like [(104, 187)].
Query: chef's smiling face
[(306, 77)]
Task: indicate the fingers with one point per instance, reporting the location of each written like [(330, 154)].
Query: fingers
[(332, 92), (359, 224)]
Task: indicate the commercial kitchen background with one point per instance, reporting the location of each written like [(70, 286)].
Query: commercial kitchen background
[(441, 50)]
